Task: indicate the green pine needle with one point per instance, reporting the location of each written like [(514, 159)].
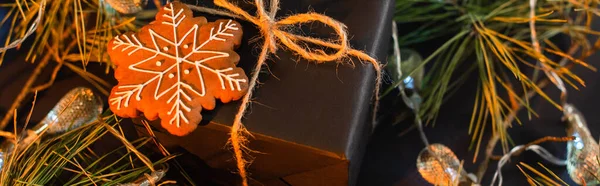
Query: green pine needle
[(68, 159)]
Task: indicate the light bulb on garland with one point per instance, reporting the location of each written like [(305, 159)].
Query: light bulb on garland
[(412, 83), (410, 61), (149, 179), (78, 107), (438, 165), (583, 151), (407, 74)]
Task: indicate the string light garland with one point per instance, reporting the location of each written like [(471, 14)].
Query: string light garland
[(436, 163), (574, 162)]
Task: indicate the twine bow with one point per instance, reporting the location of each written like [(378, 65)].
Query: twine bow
[(272, 29)]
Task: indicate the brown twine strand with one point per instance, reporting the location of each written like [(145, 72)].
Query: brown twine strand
[(272, 31)]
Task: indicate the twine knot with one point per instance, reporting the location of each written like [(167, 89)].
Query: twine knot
[(271, 29), (266, 25), (276, 34)]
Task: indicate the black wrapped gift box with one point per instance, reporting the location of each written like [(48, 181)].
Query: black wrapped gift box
[(310, 122)]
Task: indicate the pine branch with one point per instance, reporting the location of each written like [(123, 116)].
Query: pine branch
[(498, 39)]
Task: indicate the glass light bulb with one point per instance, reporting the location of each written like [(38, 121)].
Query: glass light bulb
[(438, 165), (582, 153)]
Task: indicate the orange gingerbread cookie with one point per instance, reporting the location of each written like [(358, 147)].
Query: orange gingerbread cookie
[(175, 66)]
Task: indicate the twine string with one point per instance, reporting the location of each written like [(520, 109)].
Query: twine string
[(271, 29), (275, 36)]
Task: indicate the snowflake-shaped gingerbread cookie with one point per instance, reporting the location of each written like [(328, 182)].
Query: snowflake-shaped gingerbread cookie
[(175, 66)]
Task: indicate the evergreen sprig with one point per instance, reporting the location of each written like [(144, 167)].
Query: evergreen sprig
[(90, 23), (70, 158)]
